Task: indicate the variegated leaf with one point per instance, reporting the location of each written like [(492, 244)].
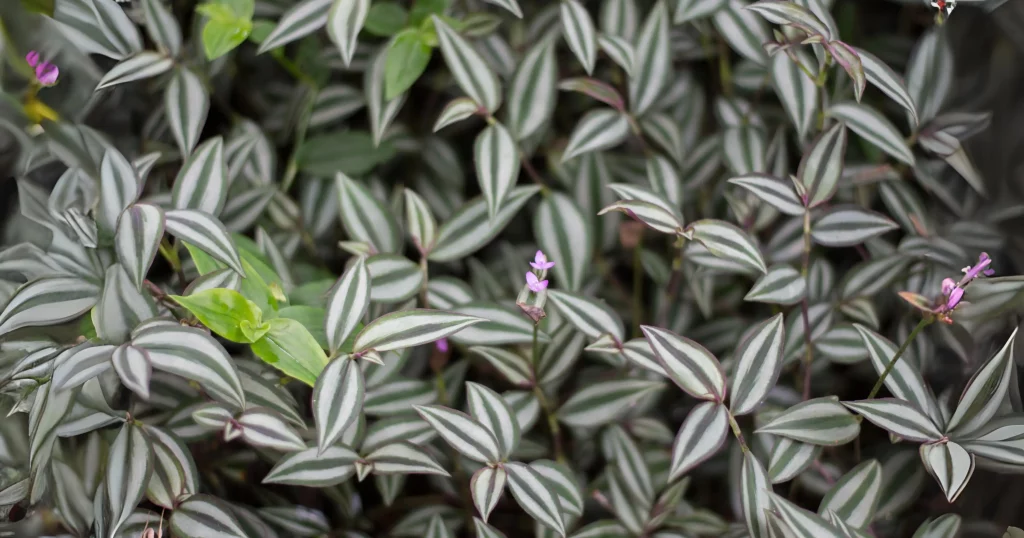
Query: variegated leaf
[(469, 69)]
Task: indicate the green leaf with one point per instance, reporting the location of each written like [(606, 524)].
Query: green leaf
[(385, 19), (423, 9), (223, 36), (289, 347), (223, 311), (407, 58), (353, 153)]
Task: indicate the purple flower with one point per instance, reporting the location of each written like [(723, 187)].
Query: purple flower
[(442, 345), (540, 262), (535, 284), (46, 72), (980, 268), (953, 298)]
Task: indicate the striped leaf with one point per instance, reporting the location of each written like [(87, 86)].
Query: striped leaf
[(48, 301), (344, 21), (533, 92), (531, 491), (313, 468), (174, 471), (755, 496), (702, 434), (382, 111), (781, 285), (854, 497), (205, 515), (597, 130), (186, 104), (664, 178), (881, 76), (465, 435), (562, 233), (758, 364), (486, 488), (162, 27), (497, 165), (299, 21), (437, 528), (822, 166), (950, 464), (688, 10), (562, 482), (792, 14), (605, 401), (803, 523), (265, 428), (80, 364), (744, 30), (512, 366), (483, 530), (590, 317), (206, 233), (494, 413), (595, 89), (688, 364), (509, 5), (393, 278), (790, 458), (410, 328), (133, 367), (620, 51), (469, 69), (985, 392), (419, 222), (629, 465), (948, 526), (129, 466), (580, 33), (502, 324), (119, 188), (744, 149), (653, 68), (192, 354), (406, 426), (202, 183), (904, 380), (139, 232), (337, 400), (930, 74), (347, 301), (726, 240), (872, 126), (470, 228), (335, 103), (654, 215), (846, 226), (98, 28), (143, 65), (821, 421), (1002, 440), (121, 307), (775, 192), (364, 217), (403, 458), (798, 93), (620, 18)]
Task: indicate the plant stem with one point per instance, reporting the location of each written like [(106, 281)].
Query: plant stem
[(673, 283), (804, 270), (737, 432), (899, 353), (638, 285), (549, 412)]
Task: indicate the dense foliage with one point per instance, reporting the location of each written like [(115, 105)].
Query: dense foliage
[(438, 268)]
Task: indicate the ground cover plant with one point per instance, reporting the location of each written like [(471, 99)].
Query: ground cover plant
[(439, 268)]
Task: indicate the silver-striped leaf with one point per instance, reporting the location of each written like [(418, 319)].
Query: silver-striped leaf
[(48, 301), (299, 21), (687, 363), (590, 317), (347, 301), (726, 240), (410, 328), (881, 76), (985, 392), (470, 228), (758, 364), (129, 467), (486, 488), (562, 233), (790, 458), (531, 491), (755, 496), (950, 465), (803, 523), (501, 324), (468, 67), (597, 130), (532, 95), (266, 428), (580, 32), (775, 192), (494, 414), (462, 432), (314, 468), (822, 166), (403, 458), (119, 188), (743, 30), (206, 233), (134, 368), (496, 157), (872, 126), (854, 497), (605, 401), (337, 400), (364, 217), (139, 231), (848, 225), (202, 183), (419, 222), (186, 105), (344, 21), (205, 515), (796, 90), (782, 284), (820, 421), (702, 434), (653, 68)]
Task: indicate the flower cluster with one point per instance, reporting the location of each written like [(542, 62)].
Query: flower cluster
[(535, 279), (532, 298), (46, 72), (952, 291)]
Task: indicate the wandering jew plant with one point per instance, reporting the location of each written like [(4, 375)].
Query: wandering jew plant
[(486, 268)]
